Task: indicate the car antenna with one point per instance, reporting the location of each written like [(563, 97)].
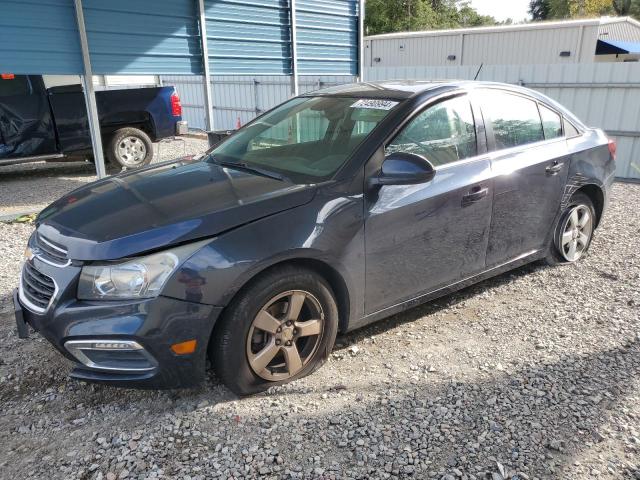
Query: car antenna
[(478, 72)]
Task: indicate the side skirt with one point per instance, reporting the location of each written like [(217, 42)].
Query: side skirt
[(443, 291)]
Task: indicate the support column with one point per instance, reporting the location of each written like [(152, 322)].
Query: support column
[(90, 94), (208, 99), (361, 40), (295, 88)]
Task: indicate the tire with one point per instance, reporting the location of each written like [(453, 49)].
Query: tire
[(130, 148), (240, 347), (559, 251)]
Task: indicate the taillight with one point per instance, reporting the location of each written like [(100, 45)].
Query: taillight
[(613, 148), (176, 106)]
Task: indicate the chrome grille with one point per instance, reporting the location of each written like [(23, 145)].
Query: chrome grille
[(51, 252), (36, 288)]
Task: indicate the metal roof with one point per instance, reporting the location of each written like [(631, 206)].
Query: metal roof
[(508, 28)]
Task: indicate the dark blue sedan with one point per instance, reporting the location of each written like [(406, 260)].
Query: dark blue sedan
[(331, 211)]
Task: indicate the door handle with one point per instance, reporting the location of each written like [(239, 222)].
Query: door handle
[(555, 168), (475, 195)]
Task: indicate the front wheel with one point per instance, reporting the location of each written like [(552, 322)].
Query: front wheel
[(130, 148), (282, 327), (574, 231)]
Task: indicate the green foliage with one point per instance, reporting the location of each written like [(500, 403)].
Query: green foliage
[(560, 9), (385, 16)]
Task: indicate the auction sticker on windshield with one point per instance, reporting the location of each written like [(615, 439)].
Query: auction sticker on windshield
[(375, 104)]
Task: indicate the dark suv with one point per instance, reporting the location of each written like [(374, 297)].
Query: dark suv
[(331, 211)]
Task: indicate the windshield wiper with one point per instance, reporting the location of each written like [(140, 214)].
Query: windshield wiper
[(257, 170)]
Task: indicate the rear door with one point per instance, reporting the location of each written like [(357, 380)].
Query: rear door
[(423, 237), (25, 119), (530, 165)]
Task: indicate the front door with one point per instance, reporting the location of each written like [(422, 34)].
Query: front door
[(419, 238), (530, 171)]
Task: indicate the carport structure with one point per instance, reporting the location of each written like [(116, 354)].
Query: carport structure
[(198, 37)]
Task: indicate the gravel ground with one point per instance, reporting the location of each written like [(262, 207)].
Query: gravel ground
[(534, 374), (30, 187)]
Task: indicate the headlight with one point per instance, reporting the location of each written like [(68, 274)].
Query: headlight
[(139, 278)]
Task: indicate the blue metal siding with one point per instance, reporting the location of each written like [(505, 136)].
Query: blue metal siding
[(327, 37), (39, 37), (162, 37), (248, 37), (143, 36)]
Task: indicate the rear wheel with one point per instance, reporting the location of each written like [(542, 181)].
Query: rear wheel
[(574, 231), (282, 327), (130, 148)]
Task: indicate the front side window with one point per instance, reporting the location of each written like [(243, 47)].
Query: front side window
[(551, 123), (443, 133), (515, 119), (306, 139)]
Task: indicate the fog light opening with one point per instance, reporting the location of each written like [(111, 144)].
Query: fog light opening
[(111, 355)]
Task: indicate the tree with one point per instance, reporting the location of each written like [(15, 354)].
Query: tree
[(540, 9), (559, 9), (384, 16), (590, 8), (627, 7)]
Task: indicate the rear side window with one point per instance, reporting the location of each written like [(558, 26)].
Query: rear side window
[(551, 123), (14, 85), (570, 130), (515, 119), (443, 133)]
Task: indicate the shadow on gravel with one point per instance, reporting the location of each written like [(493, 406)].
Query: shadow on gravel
[(542, 416), (435, 306)]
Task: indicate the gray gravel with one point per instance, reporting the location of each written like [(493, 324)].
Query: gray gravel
[(30, 187), (534, 374)]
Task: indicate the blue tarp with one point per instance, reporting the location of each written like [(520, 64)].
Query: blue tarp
[(612, 47)]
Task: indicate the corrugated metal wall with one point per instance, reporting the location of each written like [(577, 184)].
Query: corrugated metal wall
[(629, 31), (147, 36), (239, 96), (327, 37), (602, 95), (39, 36), (498, 46), (248, 37), (143, 36)]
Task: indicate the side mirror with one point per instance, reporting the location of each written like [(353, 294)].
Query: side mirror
[(404, 168)]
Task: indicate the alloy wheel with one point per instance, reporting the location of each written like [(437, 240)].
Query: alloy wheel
[(576, 233), (132, 151), (285, 335)]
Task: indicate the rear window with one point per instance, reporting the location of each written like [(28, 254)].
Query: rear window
[(14, 85)]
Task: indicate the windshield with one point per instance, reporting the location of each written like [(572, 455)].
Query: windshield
[(306, 139)]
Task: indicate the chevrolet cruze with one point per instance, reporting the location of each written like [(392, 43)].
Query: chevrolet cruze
[(331, 211)]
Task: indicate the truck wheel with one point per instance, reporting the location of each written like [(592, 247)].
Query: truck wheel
[(130, 148)]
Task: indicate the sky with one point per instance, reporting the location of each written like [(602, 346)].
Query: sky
[(503, 9)]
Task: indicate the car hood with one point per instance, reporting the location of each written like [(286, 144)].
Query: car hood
[(163, 205)]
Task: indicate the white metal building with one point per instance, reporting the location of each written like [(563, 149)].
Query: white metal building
[(573, 41)]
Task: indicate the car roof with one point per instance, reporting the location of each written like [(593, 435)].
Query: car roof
[(400, 90), (404, 89)]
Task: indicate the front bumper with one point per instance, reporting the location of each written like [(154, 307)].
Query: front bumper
[(154, 324)]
